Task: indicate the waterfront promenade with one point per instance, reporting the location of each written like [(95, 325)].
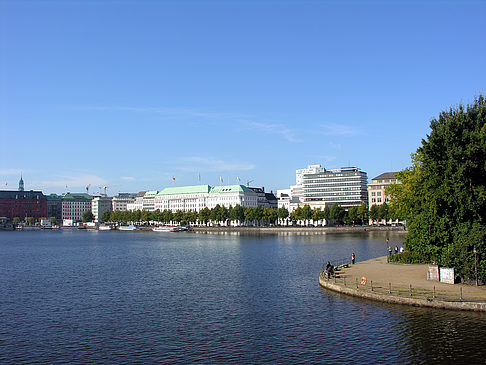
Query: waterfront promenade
[(403, 284), (299, 230)]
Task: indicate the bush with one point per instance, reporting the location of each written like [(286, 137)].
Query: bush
[(411, 257)]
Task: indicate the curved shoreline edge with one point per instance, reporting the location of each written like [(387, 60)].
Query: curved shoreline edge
[(416, 302)]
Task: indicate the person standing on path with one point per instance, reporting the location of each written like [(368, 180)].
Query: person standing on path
[(353, 258)]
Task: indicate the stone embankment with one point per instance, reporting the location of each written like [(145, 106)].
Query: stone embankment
[(299, 230), (403, 284)]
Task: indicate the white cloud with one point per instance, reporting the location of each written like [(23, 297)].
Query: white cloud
[(11, 172), (127, 178), (198, 163), (333, 129), (73, 182), (274, 128)]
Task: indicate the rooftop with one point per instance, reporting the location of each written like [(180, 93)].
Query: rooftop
[(193, 189), (231, 189), (77, 196), (386, 175)]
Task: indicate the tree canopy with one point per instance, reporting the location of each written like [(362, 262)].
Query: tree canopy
[(443, 193)]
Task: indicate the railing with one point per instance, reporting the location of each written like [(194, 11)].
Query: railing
[(459, 294)]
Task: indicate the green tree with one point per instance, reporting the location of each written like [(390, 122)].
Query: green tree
[(282, 213), (16, 220), (146, 216), (223, 214), (442, 195), (363, 213), (337, 213), (326, 213), (237, 214), (249, 215), (215, 214), (353, 215), (105, 217), (178, 216), (306, 214), (374, 213), (167, 216), (31, 221), (204, 215), (53, 220), (88, 216)]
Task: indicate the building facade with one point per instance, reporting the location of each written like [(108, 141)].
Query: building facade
[(347, 186), (121, 201), (319, 187), (265, 200), (74, 205), (54, 206), (100, 205), (232, 195), (185, 198), (198, 197), (22, 204), (137, 203), (376, 190), (148, 200)]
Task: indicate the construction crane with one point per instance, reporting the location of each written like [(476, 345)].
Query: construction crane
[(249, 182), (106, 187)]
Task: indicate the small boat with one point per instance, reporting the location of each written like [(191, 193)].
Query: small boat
[(105, 227), (166, 229), (127, 228), (28, 228)]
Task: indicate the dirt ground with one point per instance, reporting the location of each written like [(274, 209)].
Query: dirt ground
[(382, 273)]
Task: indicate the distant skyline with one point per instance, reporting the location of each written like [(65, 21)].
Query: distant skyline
[(139, 93)]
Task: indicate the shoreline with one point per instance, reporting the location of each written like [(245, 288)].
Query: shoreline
[(404, 284), (299, 230)]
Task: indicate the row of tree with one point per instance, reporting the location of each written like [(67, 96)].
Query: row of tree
[(240, 215)]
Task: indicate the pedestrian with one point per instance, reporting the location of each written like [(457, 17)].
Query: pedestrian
[(390, 250), (396, 250), (402, 249), (353, 258)]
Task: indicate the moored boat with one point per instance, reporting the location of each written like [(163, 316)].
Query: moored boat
[(127, 228), (105, 227), (166, 229)]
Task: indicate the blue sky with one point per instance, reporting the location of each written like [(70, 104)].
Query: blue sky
[(133, 93)]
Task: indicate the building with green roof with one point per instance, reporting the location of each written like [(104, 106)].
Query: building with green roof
[(74, 205), (185, 198), (232, 195), (148, 201)]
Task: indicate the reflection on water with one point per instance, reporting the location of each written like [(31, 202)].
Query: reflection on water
[(145, 297)]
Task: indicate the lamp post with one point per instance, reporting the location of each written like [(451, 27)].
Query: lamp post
[(476, 264)]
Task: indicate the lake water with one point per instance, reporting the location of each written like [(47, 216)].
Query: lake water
[(133, 297)]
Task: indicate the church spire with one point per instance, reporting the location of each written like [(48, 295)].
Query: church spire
[(21, 183)]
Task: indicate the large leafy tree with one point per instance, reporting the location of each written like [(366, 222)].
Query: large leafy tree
[(88, 216), (443, 194)]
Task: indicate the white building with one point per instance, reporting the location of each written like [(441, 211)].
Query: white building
[(198, 197), (148, 200), (232, 195), (319, 187), (99, 205), (121, 201), (347, 186), (185, 198), (376, 190), (136, 204)]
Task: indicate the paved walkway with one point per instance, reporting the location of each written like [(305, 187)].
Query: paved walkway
[(382, 276)]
